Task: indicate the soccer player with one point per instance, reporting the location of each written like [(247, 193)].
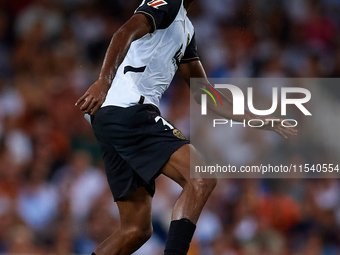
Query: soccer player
[(137, 143)]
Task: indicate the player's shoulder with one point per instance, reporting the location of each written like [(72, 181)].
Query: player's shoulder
[(161, 12)]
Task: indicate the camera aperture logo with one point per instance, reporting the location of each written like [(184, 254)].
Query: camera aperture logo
[(238, 101), (204, 97)]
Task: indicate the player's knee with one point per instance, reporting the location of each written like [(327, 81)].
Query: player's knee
[(139, 234), (204, 185)]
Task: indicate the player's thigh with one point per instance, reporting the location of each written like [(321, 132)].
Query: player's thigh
[(135, 210), (178, 166)]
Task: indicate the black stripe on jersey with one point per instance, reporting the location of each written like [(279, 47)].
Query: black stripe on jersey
[(134, 69), (191, 52)]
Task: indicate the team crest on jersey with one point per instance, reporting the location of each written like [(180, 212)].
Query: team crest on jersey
[(178, 134), (157, 3)]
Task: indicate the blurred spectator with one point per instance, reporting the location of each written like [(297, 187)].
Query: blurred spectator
[(81, 183), (277, 210), (21, 241), (44, 13), (38, 200)]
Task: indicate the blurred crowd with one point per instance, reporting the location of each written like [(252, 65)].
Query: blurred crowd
[(54, 198)]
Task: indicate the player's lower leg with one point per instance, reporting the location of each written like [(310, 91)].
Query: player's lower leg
[(135, 229), (185, 215), (124, 242), (190, 203)]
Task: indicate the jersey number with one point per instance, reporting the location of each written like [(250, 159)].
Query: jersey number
[(165, 123)]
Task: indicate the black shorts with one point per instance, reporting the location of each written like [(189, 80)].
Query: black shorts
[(136, 142)]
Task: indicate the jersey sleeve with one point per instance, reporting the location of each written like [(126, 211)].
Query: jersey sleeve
[(190, 52), (161, 13)]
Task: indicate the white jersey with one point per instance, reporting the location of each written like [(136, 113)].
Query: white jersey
[(152, 61)]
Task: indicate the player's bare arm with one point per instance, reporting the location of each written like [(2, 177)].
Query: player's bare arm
[(136, 27), (195, 69)]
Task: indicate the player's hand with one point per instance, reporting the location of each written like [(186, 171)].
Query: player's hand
[(93, 98), (274, 124)]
